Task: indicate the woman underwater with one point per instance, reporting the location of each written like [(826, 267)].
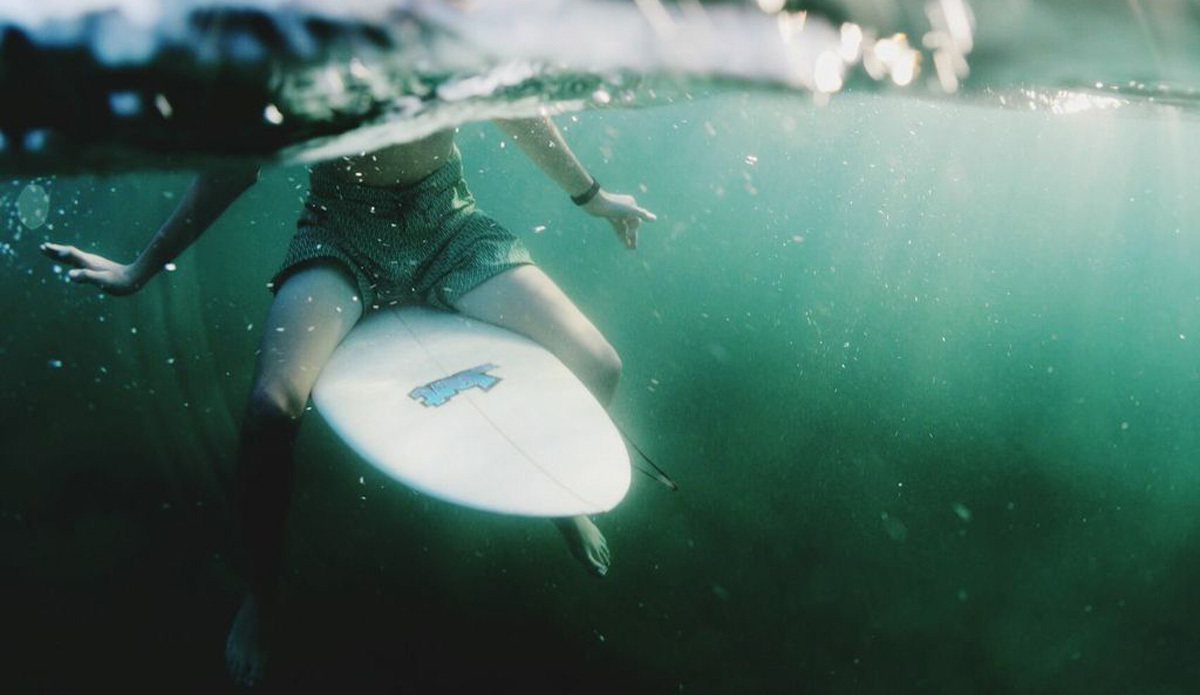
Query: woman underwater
[(396, 226)]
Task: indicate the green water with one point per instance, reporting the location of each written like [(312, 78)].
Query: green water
[(928, 376)]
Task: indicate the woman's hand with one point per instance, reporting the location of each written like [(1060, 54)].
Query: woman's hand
[(90, 269), (622, 212)]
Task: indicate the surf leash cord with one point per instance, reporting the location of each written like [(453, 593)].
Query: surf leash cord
[(654, 473)]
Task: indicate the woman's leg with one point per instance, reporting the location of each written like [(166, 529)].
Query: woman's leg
[(313, 310), (526, 300)]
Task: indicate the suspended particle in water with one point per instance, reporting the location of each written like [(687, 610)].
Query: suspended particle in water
[(272, 114), (170, 267), (33, 206), (55, 364), (894, 528), (962, 511), (163, 106)]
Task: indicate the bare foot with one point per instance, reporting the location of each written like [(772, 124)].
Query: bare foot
[(586, 543), (245, 651)]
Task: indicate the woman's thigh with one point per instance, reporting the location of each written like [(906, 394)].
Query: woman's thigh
[(524, 299), (314, 309)]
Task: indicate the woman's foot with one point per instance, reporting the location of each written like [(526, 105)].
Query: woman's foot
[(245, 648), (586, 543)]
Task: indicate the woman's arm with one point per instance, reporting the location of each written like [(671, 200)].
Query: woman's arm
[(544, 144), (209, 195), (541, 140)]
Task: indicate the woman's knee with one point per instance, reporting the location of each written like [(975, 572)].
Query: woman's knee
[(609, 362), (602, 365), (273, 401)]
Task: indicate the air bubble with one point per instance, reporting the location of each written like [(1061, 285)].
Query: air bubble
[(35, 140), (33, 206), (126, 104)]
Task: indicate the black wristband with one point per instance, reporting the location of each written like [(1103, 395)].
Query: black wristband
[(586, 197)]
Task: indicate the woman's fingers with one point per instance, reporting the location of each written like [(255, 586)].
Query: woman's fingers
[(86, 277), (57, 251), (625, 215), (90, 269), (627, 229), (68, 254)]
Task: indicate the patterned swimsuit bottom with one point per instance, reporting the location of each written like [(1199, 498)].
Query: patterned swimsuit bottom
[(422, 243)]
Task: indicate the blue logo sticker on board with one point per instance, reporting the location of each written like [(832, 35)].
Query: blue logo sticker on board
[(438, 392)]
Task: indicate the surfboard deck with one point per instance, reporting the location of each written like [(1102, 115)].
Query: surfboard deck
[(473, 414)]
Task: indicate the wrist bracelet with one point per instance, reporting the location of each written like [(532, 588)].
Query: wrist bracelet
[(586, 197)]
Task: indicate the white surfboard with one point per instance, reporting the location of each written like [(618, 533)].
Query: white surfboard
[(473, 414)]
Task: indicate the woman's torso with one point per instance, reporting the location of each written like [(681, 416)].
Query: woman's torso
[(395, 166)]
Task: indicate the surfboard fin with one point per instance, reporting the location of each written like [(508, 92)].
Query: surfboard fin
[(657, 474)]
